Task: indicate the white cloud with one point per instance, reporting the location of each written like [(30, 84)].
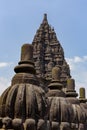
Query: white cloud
[(5, 75), (78, 67), (4, 83), (85, 58), (4, 64), (78, 59)]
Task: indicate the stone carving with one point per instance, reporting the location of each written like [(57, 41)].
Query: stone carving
[(35, 48), (37, 63), (48, 49), (56, 49), (50, 66), (39, 47), (65, 74)]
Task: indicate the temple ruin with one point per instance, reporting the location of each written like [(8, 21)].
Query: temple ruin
[(42, 93)]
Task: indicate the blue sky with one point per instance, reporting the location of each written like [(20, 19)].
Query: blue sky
[(19, 21)]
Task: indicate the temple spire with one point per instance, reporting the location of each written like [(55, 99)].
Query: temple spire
[(45, 18), (48, 53)]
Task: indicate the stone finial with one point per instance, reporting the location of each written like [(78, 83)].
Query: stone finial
[(56, 72), (70, 92), (70, 84), (45, 17), (82, 93), (25, 70), (27, 52), (55, 83), (82, 97)]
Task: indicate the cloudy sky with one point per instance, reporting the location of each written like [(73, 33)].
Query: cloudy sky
[(19, 20)]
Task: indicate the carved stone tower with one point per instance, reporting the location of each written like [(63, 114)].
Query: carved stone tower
[(48, 53)]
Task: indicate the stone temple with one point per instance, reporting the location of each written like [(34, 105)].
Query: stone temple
[(42, 93), (48, 53)]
